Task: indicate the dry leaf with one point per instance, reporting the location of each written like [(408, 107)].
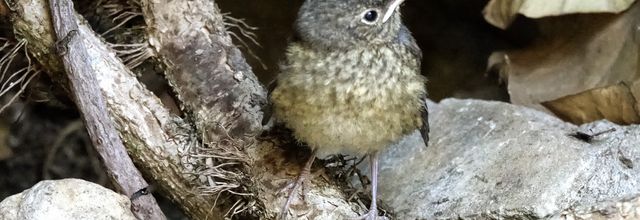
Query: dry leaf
[(501, 13), (574, 54), (616, 103)]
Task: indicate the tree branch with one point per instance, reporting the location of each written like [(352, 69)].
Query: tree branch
[(88, 98)]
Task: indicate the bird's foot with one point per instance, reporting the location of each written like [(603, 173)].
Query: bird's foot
[(292, 187), (371, 215), (373, 209), (301, 181)]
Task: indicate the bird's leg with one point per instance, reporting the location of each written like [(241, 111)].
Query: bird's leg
[(373, 209), (293, 187)]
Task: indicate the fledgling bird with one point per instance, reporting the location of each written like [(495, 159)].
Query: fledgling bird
[(352, 83)]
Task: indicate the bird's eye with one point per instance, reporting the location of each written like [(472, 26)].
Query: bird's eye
[(370, 16)]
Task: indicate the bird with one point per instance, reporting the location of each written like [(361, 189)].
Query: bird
[(350, 83)]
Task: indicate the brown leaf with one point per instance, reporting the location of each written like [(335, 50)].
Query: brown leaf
[(501, 13), (617, 103), (573, 54)]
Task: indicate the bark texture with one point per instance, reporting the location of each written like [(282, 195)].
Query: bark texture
[(155, 139), (87, 96)]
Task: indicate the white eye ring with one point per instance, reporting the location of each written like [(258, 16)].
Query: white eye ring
[(370, 16)]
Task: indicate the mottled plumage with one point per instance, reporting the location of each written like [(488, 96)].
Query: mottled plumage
[(351, 91), (350, 101), (352, 83)]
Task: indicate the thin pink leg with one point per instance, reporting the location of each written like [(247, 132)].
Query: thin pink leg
[(373, 209)]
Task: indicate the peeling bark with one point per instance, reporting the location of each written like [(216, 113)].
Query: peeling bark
[(215, 86), (86, 94)]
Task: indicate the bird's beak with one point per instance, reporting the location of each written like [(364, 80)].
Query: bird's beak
[(391, 7)]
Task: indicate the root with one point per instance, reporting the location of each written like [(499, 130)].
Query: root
[(123, 17), (242, 26), (236, 208), (218, 170), (120, 14), (19, 79), (215, 166), (246, 31), (132, 54)]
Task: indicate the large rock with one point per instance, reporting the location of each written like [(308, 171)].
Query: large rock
[(492, 160), (66, 199)]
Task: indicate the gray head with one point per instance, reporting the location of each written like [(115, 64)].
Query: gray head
[(346, 23)]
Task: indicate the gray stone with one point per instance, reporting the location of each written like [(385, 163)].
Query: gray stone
[(493, 160), (66, 199)]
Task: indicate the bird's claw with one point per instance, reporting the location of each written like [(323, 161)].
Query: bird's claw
[(288, 187), (301, 181), (371, 215), (292, 186)]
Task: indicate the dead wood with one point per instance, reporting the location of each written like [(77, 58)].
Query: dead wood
[(87, 96), (154, 138)]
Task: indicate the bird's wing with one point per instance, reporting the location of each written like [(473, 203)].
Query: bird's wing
[(406, 39), (267, 109), (424, 130)]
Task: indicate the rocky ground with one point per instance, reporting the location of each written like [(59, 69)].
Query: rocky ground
[(485, 160), (493, 160)]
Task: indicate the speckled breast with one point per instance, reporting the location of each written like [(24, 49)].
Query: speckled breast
[(354, 101)]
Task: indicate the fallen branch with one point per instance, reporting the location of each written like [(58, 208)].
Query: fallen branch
[(217, 90), (88, 97)]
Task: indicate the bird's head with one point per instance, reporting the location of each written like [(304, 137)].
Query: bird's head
[(348, 23)]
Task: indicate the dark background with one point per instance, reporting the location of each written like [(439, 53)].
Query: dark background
[(454, 38)]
